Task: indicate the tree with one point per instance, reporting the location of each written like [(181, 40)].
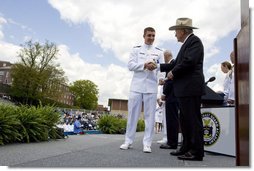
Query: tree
[(36, 76), (86, 94)]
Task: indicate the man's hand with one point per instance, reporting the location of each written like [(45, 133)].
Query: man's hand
[(150, 66), (170, 75), (231, 102), (163, 97), (161, 81)]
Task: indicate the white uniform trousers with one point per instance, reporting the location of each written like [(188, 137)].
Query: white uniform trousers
[(134, 111)]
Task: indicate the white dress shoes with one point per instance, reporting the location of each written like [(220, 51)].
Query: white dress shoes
[(163, 141), (125, 146), (147, 149)]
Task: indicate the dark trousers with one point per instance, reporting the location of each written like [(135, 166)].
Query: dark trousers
[(191, 125), (172, 122)]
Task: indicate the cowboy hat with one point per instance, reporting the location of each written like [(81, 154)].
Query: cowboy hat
[(182, 23)]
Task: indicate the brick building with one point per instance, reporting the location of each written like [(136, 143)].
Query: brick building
[(66, 96), (5, 76), (120, 106)]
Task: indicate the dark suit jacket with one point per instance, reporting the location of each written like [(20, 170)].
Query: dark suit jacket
[(188, 69), (168, 89)]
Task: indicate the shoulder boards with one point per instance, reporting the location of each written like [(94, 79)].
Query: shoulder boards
[(136, 46), (158, 48)]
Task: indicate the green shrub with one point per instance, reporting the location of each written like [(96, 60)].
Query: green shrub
[(28, 124), (34, 126), (110, 124), (51, 118), (9, 125), (39, 124), (141, 125), (122, 124)]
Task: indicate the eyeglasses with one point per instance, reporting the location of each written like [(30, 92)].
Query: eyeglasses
[(150, 35)]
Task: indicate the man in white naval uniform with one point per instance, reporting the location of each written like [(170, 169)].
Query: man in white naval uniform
[(144, 61)]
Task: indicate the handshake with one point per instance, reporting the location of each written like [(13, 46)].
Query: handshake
[(150, 65)]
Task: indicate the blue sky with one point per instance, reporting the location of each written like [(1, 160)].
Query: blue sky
[(44, 23), (95, 36)]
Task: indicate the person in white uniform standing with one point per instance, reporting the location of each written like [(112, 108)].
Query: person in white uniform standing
[(144, 62), (231, 88)]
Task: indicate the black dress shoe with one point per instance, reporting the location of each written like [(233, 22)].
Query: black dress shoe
[(166, 146), (189, 156), (177, 153)]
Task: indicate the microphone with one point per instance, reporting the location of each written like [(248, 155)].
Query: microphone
[(210, 80)]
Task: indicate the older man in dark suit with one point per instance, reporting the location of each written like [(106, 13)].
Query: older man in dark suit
[(189, 85)]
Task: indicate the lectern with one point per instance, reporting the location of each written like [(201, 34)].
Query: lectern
[(211, 98), (219, 124)]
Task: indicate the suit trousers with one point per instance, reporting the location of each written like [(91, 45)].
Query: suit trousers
[(191, 125), (164, 124), (172, 122), (134, 111)]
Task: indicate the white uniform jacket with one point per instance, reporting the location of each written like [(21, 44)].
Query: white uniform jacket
[(145, 81), (226, 85), (231, 91)]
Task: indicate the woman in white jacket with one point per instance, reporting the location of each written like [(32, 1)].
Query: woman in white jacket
[(226, 68)]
